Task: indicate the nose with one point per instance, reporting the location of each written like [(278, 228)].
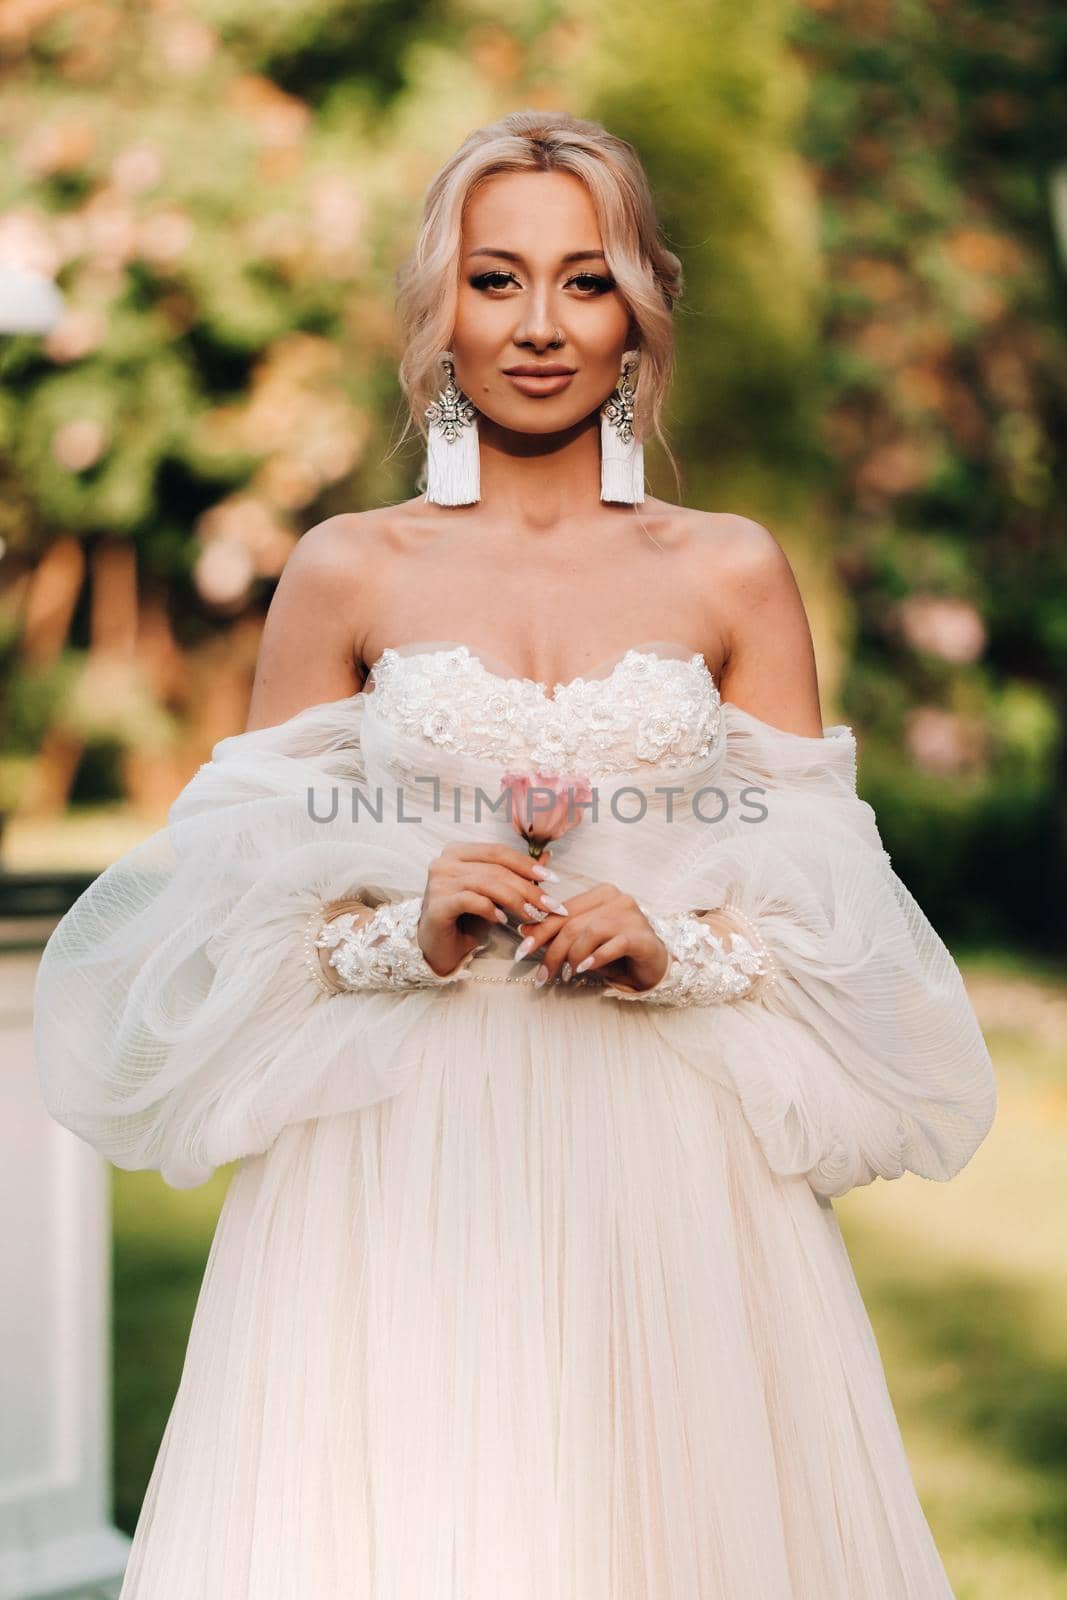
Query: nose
[(538, 327)]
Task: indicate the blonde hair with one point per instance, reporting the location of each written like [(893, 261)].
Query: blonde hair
[(648, 274)]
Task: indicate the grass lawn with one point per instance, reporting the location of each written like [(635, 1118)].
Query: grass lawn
[(966, 1285), (965, 1282)]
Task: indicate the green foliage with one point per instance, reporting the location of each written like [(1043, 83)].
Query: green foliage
[(931, 130), (709, 97), (161, 1242), (196, 216), (870, 348)]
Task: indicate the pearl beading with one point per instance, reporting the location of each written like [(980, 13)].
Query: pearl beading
[(312, 927), (700, 969), (383, 952), (586, 980), (768, 977), (379, 952)]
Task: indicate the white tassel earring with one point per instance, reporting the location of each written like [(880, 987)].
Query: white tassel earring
[(622, 457), (453, 468)]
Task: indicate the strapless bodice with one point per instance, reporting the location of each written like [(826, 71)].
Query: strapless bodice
[(656, 708)]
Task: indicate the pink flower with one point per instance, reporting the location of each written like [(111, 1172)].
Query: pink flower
[(942, 742), (544, 805), (944, 625)]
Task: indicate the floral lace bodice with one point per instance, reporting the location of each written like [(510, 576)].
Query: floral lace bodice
[(651, 710)]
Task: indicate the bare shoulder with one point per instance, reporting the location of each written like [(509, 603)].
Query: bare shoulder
[(326, 572), (742, 568), (306, 654), (731, 546), (359, 541), (339, 542), (337, 562), (770, 667)]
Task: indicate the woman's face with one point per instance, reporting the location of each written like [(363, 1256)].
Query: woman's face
[(522, 302)]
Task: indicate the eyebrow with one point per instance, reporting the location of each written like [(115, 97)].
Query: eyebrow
[(513, 255)]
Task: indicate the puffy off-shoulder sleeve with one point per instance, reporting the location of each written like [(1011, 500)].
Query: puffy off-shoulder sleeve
[(176, 1023), (863, 1058)]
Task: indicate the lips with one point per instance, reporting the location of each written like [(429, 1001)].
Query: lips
[(540, 380), (548, 369)]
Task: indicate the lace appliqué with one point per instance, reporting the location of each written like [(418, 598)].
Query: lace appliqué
[(650, 710), (379, 952), (700, 969)]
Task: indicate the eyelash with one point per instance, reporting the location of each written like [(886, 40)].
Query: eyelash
[(602, 284)]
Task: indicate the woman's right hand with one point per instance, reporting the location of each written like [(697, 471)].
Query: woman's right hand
[(488, 881)]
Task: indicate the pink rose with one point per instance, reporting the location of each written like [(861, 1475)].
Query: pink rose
[(544, 805)]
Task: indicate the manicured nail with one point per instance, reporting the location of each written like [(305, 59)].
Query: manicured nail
[(533, 913), (555, 905), (501, 914), (545, 873), (583, 966), (539, 976), (524, 949), (565, 972)]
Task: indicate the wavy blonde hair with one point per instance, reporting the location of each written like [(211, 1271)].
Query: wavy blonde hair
[(648, 274)]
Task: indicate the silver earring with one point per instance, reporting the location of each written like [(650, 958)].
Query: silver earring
[(622, 457), (453, 468)]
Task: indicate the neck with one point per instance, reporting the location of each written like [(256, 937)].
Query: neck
[(540, 480)]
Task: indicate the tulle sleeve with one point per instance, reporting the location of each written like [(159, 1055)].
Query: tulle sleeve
[(176, 1023), (864, 1057)]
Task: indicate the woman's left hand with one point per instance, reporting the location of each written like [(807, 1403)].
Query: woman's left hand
[(607, 931)]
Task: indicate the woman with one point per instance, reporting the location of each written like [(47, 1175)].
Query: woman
[(528, 1283)]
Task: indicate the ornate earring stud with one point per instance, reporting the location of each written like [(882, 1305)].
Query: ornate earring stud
[(622, 457), (453, 475)]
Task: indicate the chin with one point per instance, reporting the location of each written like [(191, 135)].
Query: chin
[(539, 417)]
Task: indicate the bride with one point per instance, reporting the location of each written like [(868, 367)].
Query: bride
[(528, 1283)]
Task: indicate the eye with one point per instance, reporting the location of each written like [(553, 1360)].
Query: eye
[(484, 280), (592, 282), (599, 285)]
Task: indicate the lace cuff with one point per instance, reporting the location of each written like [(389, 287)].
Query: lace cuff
[(701, 970), (380, 951)]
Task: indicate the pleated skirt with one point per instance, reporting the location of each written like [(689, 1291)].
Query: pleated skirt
[(544, 1325)]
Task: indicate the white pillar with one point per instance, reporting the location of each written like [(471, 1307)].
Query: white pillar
[(55, 1305)]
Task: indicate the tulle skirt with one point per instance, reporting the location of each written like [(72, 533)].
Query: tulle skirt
[(544, 1325)]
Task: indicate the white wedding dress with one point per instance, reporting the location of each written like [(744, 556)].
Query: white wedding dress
[(520, 1293)]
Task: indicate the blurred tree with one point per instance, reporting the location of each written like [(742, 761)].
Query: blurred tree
[(932, 129), (711, 96), (870, 354), (203, 183)]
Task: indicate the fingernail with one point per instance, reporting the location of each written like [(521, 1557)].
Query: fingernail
[(545, 873), (539, 976), (583, 966), (534, 913), (501, 914), (524, 949), (555, 905), (565, 972)]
